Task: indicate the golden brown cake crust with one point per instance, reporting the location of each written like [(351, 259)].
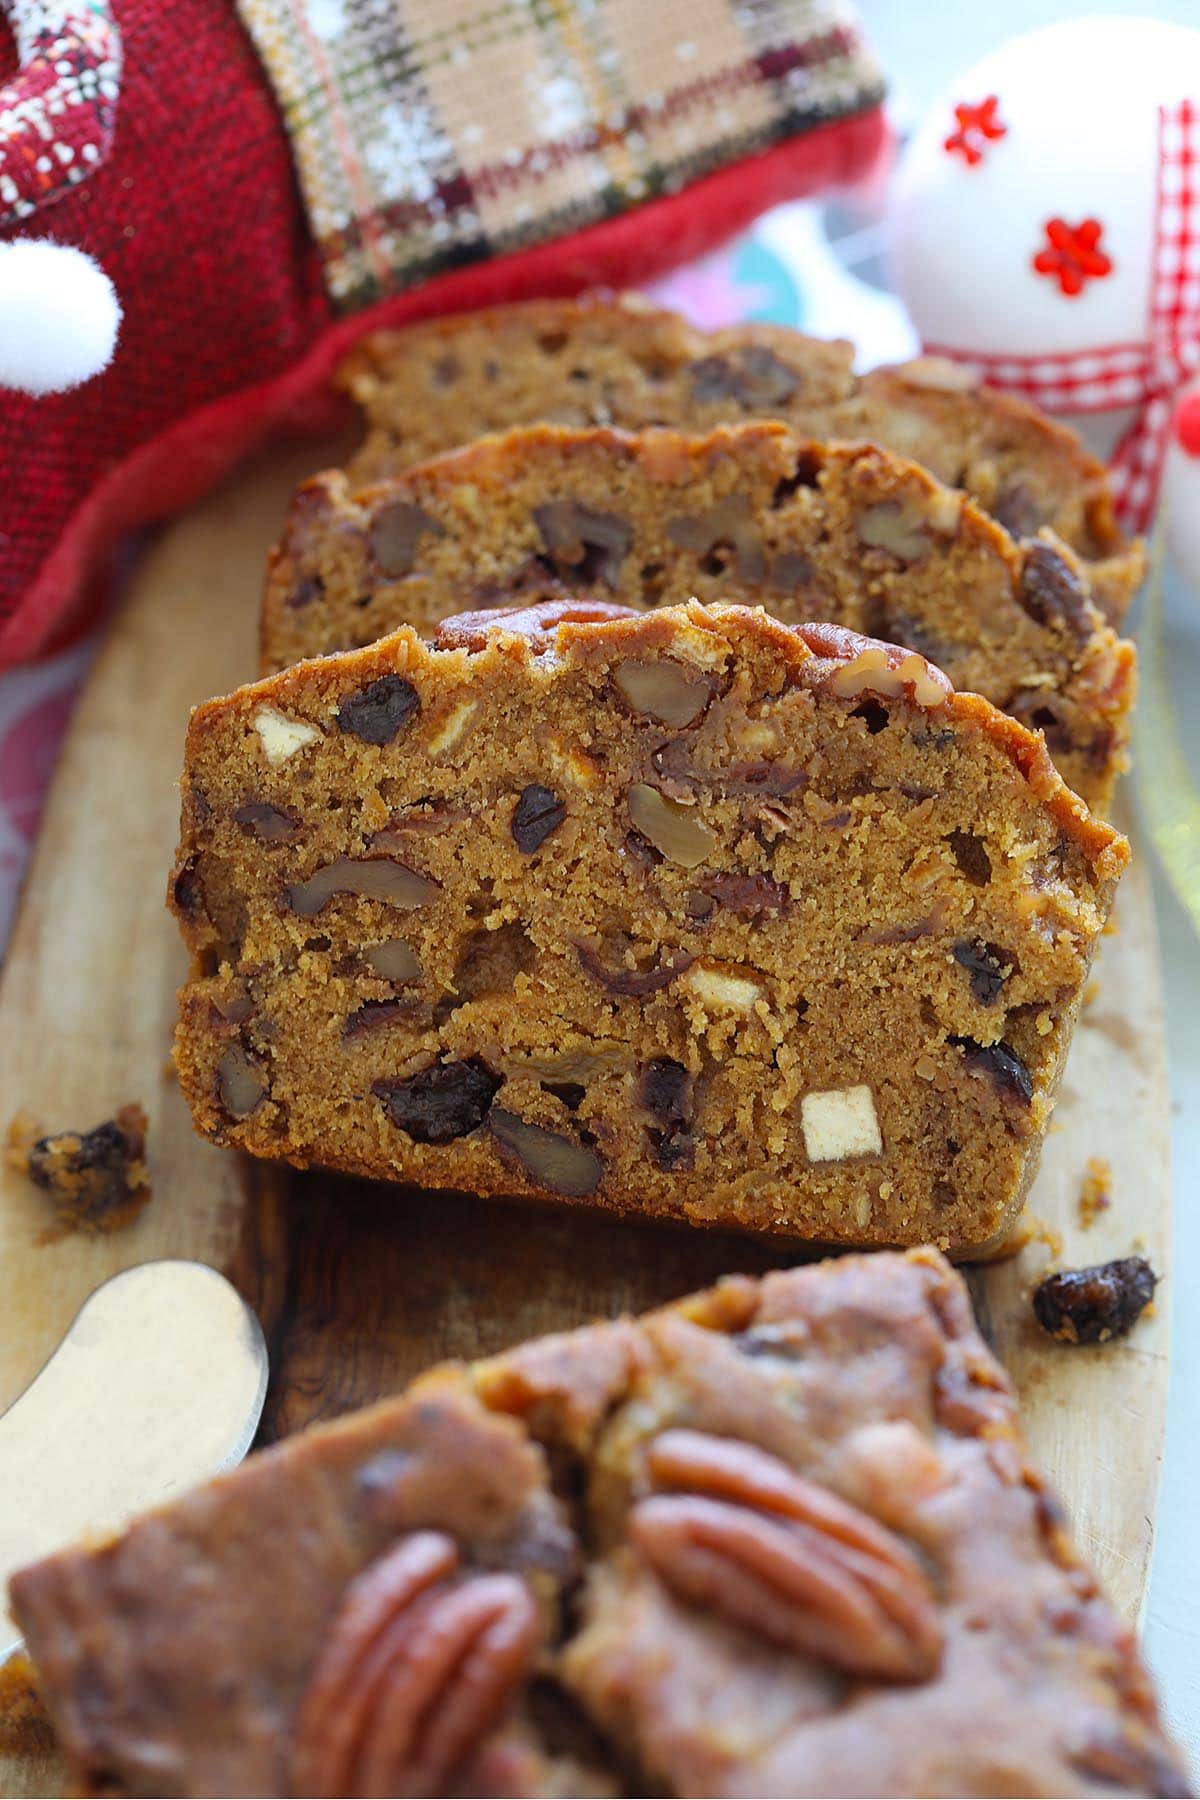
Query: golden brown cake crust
[(782, 1539), (746, 513), (687, 913), (620, 361)]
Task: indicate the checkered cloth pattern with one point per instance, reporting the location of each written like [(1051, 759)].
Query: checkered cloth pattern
[(433, 133), (1146, 376)]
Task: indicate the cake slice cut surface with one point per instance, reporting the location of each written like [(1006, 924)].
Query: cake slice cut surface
[(686, 914), (622, 362), (783, 1538), (812, 532)]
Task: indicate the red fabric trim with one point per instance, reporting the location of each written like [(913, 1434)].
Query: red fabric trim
[(190, 457)]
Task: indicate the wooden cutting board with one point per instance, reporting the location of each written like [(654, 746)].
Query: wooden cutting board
[(359, 1286)]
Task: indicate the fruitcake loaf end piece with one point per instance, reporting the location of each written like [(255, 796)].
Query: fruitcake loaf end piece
[(620, 361), (747, 513), (783, 1538), (685, 913)]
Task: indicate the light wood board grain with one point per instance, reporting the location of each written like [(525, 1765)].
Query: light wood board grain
[(360, 1286)]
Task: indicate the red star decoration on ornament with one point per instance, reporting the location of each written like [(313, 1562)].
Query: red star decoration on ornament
[(1074, 256), (976, 126), (1187, 425)]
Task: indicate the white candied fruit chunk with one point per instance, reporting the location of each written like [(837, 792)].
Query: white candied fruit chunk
[(716, 988), (281, 737), (944, 508), (840, 1122), (703, 647), (758, 736), (571, 763), (451, 728)]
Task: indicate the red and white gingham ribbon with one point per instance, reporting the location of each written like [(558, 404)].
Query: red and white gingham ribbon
[(1147, 376)]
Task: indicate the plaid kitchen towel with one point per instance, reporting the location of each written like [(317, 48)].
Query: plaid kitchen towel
[(429, 134), (265, 180)]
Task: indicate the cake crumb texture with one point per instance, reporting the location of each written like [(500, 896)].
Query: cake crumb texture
[(686, 914)]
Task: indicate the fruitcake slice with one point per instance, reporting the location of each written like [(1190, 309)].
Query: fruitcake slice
[(623, 362), (749, 512), (687, 913), (782, 1538), (222, 1645)]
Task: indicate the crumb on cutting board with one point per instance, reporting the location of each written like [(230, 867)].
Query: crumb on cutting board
[(1030, 1228), (1041, 1231), (1094, 1305), (1091, 993), (1095, 1195), (97, 1179)]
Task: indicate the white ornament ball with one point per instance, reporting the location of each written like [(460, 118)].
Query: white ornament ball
[(1181, 488), (59, 317), (1077, 103)]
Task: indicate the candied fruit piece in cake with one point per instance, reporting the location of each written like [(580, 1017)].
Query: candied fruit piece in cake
[(434, 386), (809, 928), (859, 537), (782, 1538)]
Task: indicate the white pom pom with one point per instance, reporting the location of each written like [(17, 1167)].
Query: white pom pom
[(59, 315)]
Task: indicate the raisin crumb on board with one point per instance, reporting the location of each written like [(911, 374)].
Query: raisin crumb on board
[(97, 1179), (1090, 1306)]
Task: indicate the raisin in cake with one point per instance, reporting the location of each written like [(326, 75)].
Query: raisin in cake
[(750, 512), (781, 1539), (621, 362), (686, 913)]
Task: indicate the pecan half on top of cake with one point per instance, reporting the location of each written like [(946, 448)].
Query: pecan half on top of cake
[(782, 1538), (685, 913), (749, 513), (620, 361)]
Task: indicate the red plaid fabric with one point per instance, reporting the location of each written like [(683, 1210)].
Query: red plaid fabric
[(229, 332), (429, 134), (194, 216), (57, 117), (1146, 375)]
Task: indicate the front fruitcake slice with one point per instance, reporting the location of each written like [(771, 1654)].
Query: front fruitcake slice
[(619, 361), (749, 513), (687, 914), (783, 1538)]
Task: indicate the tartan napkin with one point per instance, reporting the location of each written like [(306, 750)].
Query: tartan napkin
[(432, 133)]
